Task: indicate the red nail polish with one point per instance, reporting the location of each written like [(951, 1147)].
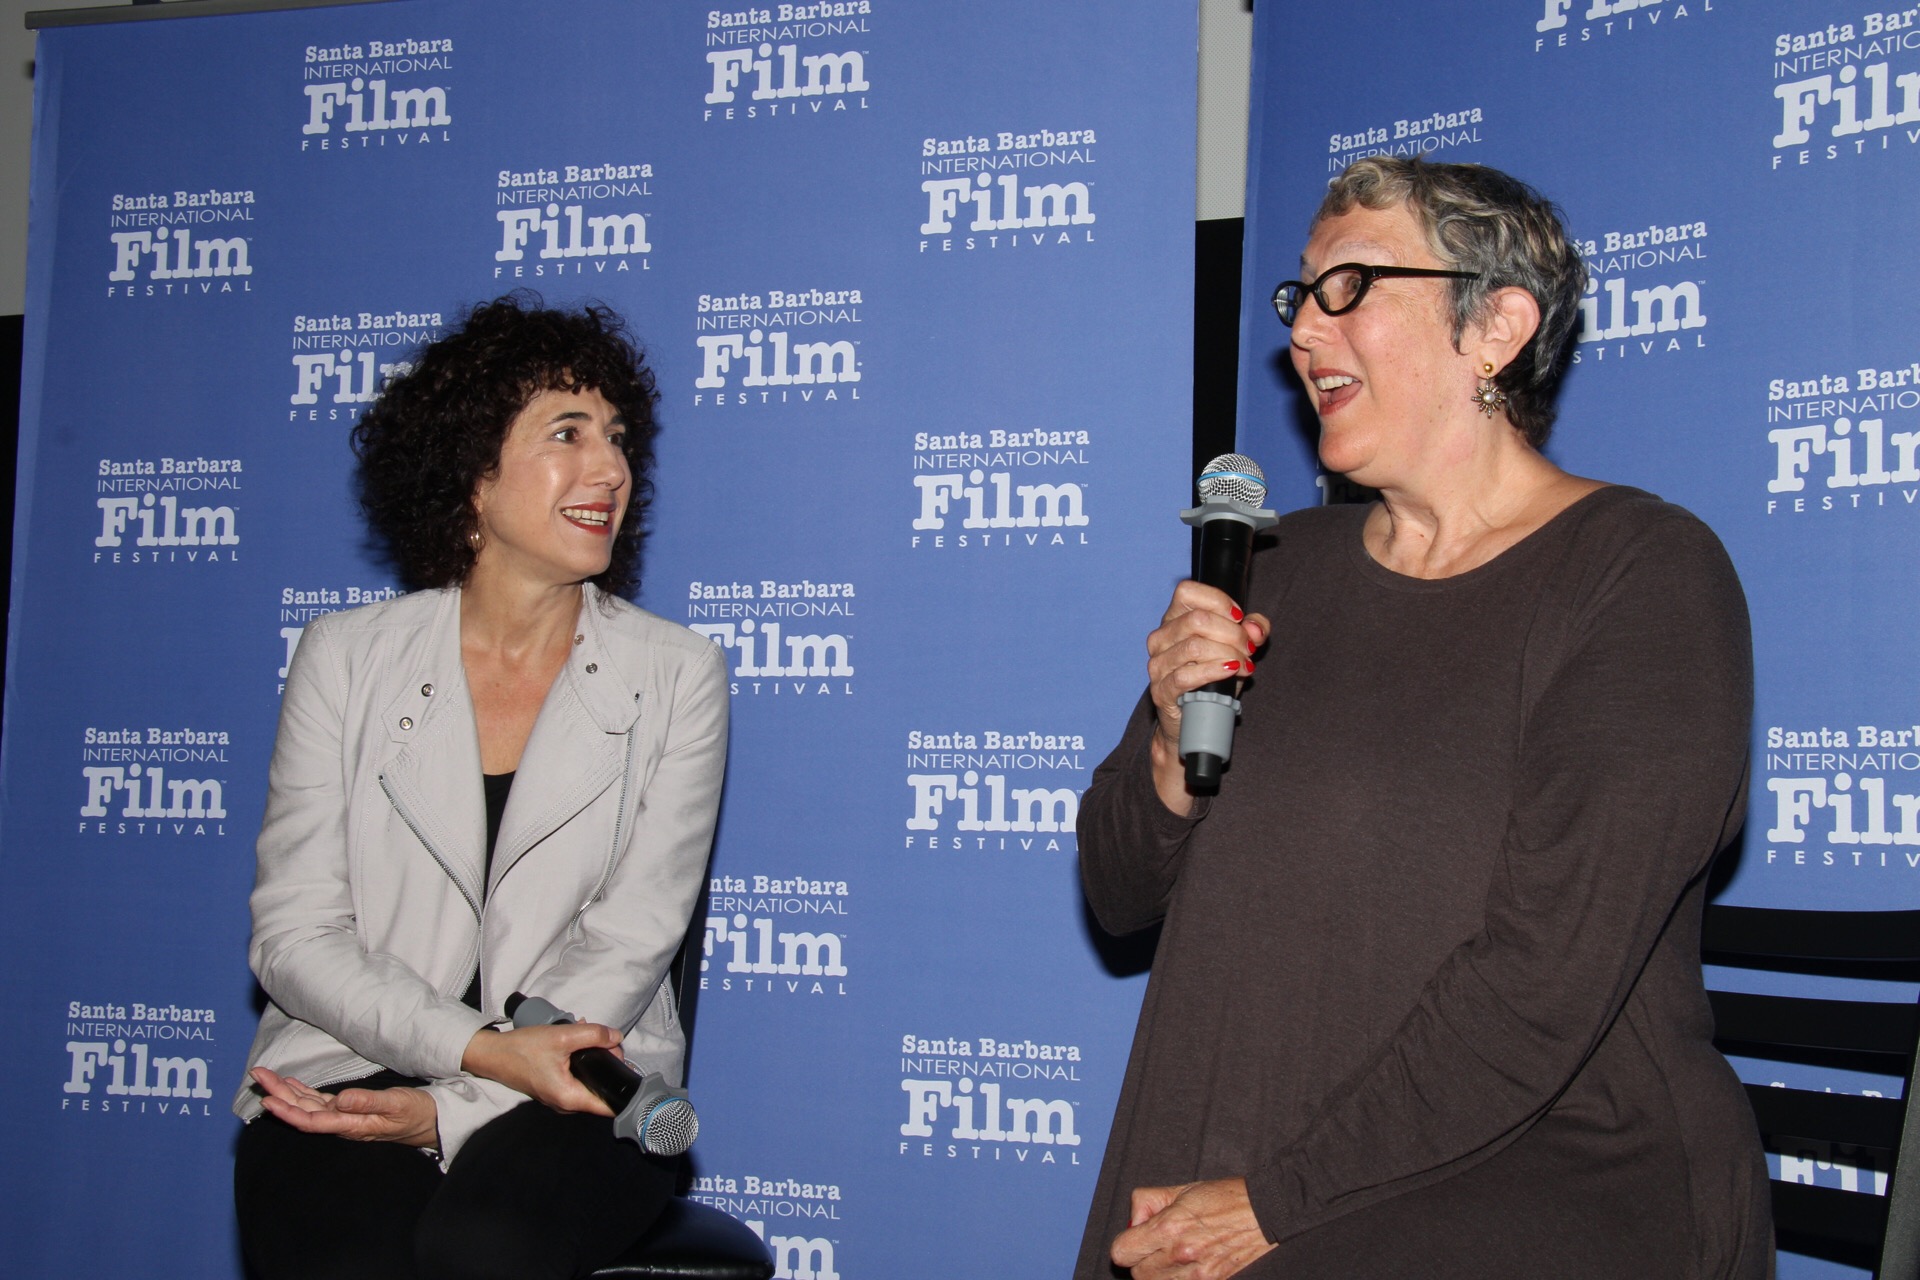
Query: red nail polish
[(1231, 666), (1237, 615), (1248, 666)]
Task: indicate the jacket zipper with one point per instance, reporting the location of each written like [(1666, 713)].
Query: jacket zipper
[(328, 1079), (619, 833), (428, 846), (478, 919)]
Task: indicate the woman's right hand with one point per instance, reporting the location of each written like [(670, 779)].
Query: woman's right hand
[(533, 1060), (363, 1115), (1203, 637)]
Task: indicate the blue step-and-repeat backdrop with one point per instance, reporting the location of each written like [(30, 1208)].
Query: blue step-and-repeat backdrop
[(916, 280), (1741, 176)]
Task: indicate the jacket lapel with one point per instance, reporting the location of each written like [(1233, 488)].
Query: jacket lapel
[(579, 744), (433, 780)]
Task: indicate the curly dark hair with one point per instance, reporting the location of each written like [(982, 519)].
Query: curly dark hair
[(435, 432)]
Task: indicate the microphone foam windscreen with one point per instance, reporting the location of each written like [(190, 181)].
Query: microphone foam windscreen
[(1233, 477)]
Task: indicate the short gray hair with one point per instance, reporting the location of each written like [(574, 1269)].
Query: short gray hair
[(1481, 220)]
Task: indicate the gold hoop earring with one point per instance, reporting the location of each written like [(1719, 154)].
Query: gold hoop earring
[(1489, 397)]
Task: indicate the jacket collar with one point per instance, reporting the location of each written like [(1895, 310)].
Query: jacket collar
[(609, 695), (580, 743)]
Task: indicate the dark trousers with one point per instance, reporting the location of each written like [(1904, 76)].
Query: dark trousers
[(532, 1194)]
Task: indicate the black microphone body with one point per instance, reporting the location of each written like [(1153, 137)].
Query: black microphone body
[(605, 1076), (647, 1111), (1226, 563), (1232, 489)]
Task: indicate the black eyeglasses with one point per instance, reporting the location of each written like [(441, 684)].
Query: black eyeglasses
[(1340, 289)]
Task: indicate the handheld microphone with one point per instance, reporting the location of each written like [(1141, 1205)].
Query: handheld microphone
[(648, 1111), (1232, 487)]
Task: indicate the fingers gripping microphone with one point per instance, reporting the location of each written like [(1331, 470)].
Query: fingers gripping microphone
[(1232, 487), (648, 1111)]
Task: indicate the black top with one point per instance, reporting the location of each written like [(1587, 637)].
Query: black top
[(497, 786), (1429, 977)]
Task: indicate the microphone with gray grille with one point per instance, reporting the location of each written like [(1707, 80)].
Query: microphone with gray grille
[(1232, 487), (647, 1111)]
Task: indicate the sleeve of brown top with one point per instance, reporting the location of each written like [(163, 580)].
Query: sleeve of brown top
[(1131, 844), (1638, 704)]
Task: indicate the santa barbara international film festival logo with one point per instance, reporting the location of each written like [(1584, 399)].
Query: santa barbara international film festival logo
[(784, 638), (572, 219), (778, 346), (1407, 136), (795, 1209), (1836, 441), (1000, 490), (299, 606), (1840, 798), (1846, 92), (167, 513), (129, 1058), (1004, 190), (153, 780), (988, 1100), (342, 361), (775, 936), (383, 92), (180, 244), (1643, 293), (981, 790), (783, 61), (1564, 24)]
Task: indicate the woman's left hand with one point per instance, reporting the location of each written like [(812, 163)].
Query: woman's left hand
[(364, 1115), (534, 1060), (1202, 1231)]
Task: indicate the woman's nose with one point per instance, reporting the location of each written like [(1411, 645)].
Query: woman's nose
[(1309, 323), (608, 465)]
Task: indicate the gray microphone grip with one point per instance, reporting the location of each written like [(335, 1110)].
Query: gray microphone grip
[(1206, 723)]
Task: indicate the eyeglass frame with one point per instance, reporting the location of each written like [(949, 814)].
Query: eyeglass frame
[(1368, 274)]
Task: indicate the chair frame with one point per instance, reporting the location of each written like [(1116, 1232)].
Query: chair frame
[(1858, 1229), (691, 1241)]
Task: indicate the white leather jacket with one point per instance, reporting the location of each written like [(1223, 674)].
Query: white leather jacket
[(368, 911)]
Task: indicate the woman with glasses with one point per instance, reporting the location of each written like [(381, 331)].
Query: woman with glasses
[(1427, 997)]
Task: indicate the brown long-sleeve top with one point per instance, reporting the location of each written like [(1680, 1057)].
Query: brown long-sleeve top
[(1429, 972)]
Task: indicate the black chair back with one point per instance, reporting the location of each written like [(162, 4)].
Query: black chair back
[(692, 1241), (1880, 1135)]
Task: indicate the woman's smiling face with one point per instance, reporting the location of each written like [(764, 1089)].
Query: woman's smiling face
[(550, 511), (1385, 375)]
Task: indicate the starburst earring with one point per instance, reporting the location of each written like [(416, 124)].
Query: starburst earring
[(1488, 396)]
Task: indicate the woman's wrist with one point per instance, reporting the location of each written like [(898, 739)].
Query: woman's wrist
[(425, 1133), (475, 1059), (1170, 776), (427, 1137)]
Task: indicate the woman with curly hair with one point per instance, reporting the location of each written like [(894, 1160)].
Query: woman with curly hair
[(505, 781)]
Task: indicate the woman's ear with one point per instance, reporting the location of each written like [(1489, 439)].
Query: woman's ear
[(1513, 318)]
